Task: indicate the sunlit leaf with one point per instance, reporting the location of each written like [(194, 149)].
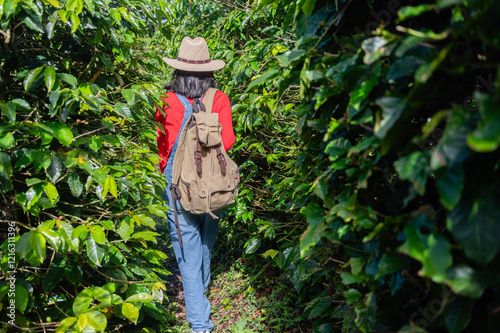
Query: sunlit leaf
[(30, 78), (130, 312), (82, 301), (50, 77), (95, 251)]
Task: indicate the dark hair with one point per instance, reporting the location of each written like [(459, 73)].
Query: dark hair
[(191, 84)]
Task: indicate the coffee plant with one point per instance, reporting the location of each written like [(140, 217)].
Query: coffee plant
[(81, 196), (367, 137)]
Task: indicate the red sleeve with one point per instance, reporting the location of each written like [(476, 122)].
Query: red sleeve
[(161, 139), (222, 106)]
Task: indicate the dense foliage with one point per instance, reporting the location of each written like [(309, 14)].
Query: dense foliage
[(77, 166), (368, 135)]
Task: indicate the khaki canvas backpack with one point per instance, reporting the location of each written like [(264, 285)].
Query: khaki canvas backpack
[(205, 179)]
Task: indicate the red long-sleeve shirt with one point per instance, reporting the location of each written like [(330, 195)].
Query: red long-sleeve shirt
[(173, 121)]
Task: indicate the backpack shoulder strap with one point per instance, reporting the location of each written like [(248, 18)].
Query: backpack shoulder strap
[(208, 99)]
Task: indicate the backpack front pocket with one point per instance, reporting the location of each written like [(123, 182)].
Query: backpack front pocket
[(208, 129)]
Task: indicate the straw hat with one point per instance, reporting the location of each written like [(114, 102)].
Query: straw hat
[(194, 57)]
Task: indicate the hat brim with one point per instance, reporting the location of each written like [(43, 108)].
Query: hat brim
[(208, 67)]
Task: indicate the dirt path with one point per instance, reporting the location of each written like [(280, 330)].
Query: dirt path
[(239, 303)]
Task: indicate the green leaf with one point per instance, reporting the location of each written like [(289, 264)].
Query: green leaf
[(30, 78), (65, 324), (21, 298), (348, 279), (33, 194), (130, 312), (54, 239), (51, 192), (374, 49), (23, 246), (75, 22), (446, 3), (115, 14), (352, 295), (314, 213), (452, 149), (109, 184), (145, 236), (123, 109), (5, 171), (9, 110), (465, 281), (108, 225), (432, 250), (97, 234), (96, 143), (102, 295), (157, 210), (95, 251), (360, 94), (290, 56), (403, 67), (61, 132), (269, 74), (392, 108), (54, 170), (415, 168), (486, 137), (474, 223), (357, 264), (82, 228), (457, 314), (68, 78), (82, 322), (252, 245), (54, 3), (308, 7), (270, 253), (450, 184), (413, 11), (33, 22), (37, 242), (8, 8), (425, 71), (74, 273), (128, 94), (82, 301), (318, 306), (50, 77), (366, 313), (7, 140), (75, 185), (66, 231), (311, 236), (140, 297), (126, 228), (71, 5), (52, 278), (144, 219), (21, 104), (389, 263), (412, 329)]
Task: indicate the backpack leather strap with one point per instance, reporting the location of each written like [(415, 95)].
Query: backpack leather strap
[(222, 159), (197, 156), (176, 195), (208, 99)]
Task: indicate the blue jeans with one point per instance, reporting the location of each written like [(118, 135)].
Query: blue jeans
[(198, 233)]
